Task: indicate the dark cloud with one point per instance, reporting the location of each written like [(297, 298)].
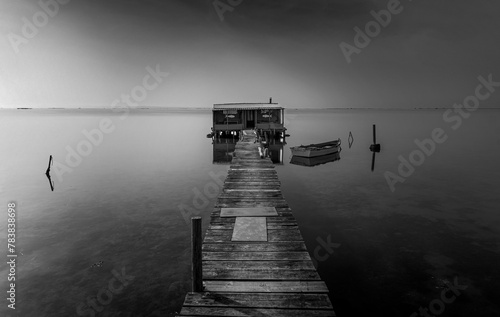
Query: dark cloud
[(429, 53)]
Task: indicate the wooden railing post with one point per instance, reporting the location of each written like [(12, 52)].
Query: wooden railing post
[(196, 265)]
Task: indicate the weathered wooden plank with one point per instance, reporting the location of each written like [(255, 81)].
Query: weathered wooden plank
[(251, 194), (269, 164), (227, 203), (268, 181), (280, 208), (281, 219), (260, 265), (230, 226), (251, 202), (246, 190), (282, 216), (250, 183), (251, 163), (243, 186), (272, 235), (256, 172), (251, 169), (226, 198), (257, 187), (252, 177), (251, 158), (255, 256), (253, 172), (269, 300), (211, 273), (215, 217), (257, 160), (281, 246), (267, 286), (246, 149), (242, 153), (236, 312), (272, 223), (245, 182), (282, 232)]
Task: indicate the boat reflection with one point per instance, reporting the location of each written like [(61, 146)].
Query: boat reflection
[(313, 161)]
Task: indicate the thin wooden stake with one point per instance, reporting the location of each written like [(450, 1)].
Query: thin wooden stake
[(196, 266)]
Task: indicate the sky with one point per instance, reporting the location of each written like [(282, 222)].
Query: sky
[(77, 53)]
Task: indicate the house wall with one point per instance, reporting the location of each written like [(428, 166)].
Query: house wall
[(241, 118)]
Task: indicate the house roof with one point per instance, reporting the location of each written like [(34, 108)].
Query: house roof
[(246, 106)]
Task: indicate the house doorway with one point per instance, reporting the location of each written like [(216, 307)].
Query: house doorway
[(250, 120)]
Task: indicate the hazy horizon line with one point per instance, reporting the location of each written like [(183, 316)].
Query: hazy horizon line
[(210, 108)]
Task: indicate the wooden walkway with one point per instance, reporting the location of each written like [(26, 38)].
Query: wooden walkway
[(256, 278)]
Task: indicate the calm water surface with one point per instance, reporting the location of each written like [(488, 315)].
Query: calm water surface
[(381, 252)]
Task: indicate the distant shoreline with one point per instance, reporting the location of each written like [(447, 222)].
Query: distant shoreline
[(179, 109)]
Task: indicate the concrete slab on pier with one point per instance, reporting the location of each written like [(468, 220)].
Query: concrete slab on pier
[(250, 229), (248, 212)]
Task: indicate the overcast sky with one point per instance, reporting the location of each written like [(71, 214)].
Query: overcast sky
[(91, 52)]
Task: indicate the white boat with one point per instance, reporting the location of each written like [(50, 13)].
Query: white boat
[(314, 150), (313, 161)]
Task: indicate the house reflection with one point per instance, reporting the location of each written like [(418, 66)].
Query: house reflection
[(223, 150), (276, 150)]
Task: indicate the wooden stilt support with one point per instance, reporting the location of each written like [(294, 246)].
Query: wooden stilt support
[(196, 266)]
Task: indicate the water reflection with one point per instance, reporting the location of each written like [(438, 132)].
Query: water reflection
[(375, 147), (51, 182), (276, 150), (445, 213), (47, 173), (223, 150)]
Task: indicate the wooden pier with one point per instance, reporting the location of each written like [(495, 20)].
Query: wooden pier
[(254, 260)]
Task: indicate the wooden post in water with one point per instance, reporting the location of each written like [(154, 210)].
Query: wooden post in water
[(196, 268), (375, 147)]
